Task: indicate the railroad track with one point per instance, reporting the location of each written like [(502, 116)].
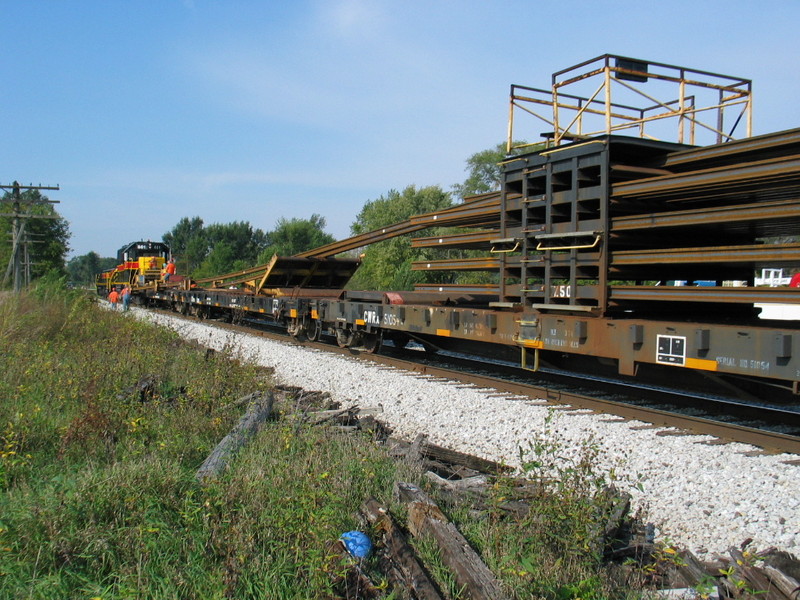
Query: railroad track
[(582, 394)]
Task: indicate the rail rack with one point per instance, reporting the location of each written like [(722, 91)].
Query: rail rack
[(633, 254)]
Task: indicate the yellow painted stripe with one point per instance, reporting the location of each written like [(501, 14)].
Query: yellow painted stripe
[(532, 343), (443, 332), (701, 363), (293, 313), (360, 322), (314, 313)]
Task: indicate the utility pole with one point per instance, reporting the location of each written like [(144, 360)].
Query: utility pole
[(19, 220)]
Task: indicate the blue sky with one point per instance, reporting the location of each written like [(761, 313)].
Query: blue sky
[(148, 111)]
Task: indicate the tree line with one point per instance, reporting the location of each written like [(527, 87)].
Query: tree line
[(204, 250)]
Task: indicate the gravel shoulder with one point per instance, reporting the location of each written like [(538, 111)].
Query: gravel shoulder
[(703, 497)]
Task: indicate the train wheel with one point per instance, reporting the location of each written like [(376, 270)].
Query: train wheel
[(371, 342), (344, 337), (314, 330), (296, 329)]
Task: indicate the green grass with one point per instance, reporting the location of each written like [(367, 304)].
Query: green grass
[(98, 497)]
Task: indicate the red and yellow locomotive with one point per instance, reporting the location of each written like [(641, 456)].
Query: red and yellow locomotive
[(140, 264)]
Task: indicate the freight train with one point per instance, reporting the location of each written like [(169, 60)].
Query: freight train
[(614, 254)]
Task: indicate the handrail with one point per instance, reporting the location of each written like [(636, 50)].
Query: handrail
[(597, 237)]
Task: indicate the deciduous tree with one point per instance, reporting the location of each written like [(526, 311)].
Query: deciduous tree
[(187, 243), (484, 170), (48, 237), (83, 269), (204, 251), (293, 236), (387, 264)]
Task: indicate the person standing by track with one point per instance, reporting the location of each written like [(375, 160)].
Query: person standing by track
[(113, 298), (126, 298)]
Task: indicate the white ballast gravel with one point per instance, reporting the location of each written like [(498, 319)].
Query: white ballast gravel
[(705, 498)]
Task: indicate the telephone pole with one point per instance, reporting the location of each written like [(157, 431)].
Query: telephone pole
[(19, 263)]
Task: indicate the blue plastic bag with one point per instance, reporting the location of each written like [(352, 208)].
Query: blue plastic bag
[(357, 543)]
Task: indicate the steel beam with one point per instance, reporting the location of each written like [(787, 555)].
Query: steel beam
[(733, 150), (459, 264), (727, 295), (454, 287), (778, 210), (755, 254), (471, 240), (765, 172), (480, 210)]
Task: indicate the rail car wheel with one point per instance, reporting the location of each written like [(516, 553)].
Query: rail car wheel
[(371, 342), (296, 329), (344, 337), (313, 330)]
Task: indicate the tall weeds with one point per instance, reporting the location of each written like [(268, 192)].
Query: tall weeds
[(103, 422)]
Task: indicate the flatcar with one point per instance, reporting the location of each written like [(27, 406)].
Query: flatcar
[(587, 237)]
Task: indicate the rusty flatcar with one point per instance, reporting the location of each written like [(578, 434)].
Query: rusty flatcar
[(589, 237)]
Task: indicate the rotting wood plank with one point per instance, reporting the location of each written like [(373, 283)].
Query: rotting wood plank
[(258, 411), (243, 401), (428, 450), (346, 414), (689, 572), (756, 578), (476, 484), (788, 586), (449, 471), (403, 568), (426, 519), (475, 493)]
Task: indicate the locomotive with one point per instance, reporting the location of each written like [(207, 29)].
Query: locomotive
[(139, 264)]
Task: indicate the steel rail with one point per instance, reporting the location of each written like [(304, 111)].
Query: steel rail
[(772, 441), (488, 263), (472, 212), (473, 240), (476, 288), (769, 441), (765, 253), (737, 213), (764, 171), (733, 149), (743, 295)]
